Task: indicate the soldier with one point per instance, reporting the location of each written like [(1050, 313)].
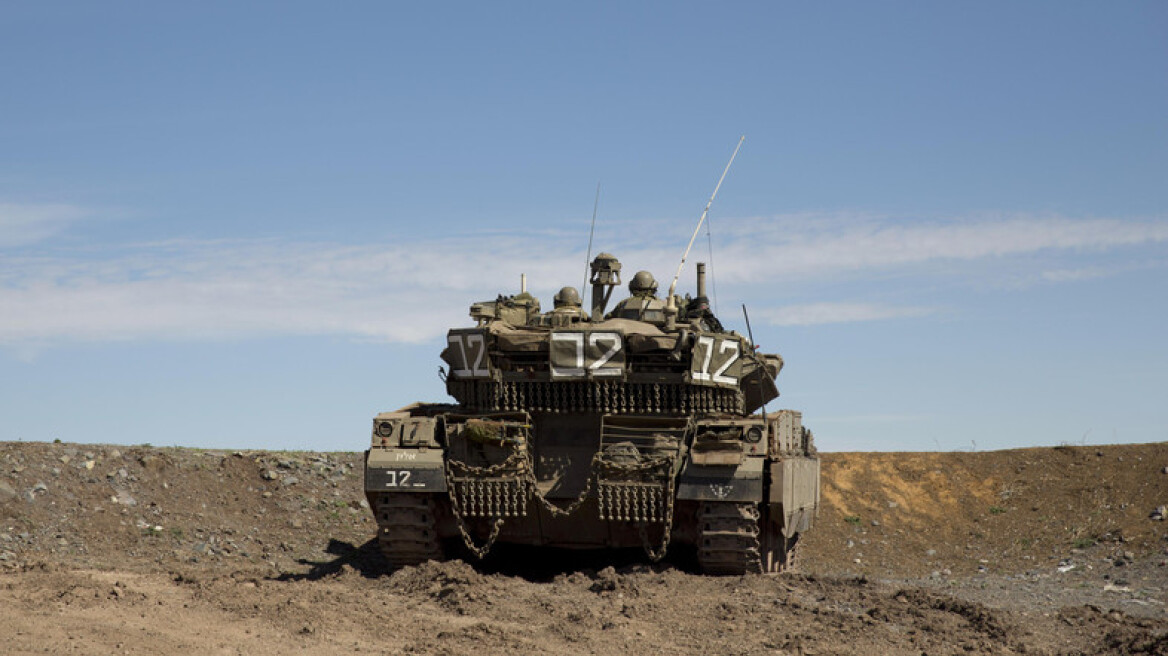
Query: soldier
[(643, 304), (698, 313), (567, 308)]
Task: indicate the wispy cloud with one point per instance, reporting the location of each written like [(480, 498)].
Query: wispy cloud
[(412, 291), (805, 245), (22, 224)]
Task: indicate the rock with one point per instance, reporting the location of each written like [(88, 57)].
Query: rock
[(40, 488), (289, 480), (1159, 513), (6, 491), (875, 522), (115, 454), (931, 552), (271, 475), (122, 473), (89, 464)]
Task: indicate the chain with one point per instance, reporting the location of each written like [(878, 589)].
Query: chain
[(655, 555), (552, 508), (521, 460), (456, 506)]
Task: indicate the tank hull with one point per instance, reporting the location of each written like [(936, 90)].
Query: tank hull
[(441, 476)]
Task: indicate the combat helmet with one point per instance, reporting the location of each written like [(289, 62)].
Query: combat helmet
[(643, 282), (567, 297)]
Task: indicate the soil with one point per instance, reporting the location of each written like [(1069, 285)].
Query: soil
[(141, 550)]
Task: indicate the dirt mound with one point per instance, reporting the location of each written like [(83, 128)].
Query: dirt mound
[(1026, 551)]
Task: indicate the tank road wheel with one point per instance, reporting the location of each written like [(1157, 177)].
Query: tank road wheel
[(406, 529), (728, 537)]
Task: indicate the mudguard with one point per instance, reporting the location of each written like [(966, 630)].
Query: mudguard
[(722, 482), (404, 470)]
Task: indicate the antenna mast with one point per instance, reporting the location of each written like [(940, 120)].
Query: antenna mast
[(673, 285), (588, 258)]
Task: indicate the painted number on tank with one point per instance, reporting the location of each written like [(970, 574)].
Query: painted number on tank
[(397, 478), (721, 354), (472, 352), (580, 355)]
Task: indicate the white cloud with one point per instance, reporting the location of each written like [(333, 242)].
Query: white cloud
[(811, 314), (413, 291), (22, 224), (805, 245)]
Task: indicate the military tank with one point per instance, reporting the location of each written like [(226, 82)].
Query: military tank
[(643, 426)]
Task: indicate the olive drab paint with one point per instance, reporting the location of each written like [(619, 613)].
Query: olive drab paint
[(643, 426)]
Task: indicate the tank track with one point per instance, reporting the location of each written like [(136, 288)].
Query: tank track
[(728, 537), (736, 539), (407, 531)]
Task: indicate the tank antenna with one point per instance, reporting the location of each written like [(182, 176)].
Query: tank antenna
[(591, 231), (673, 285)]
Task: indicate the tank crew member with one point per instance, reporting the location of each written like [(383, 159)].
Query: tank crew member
[(698, 313), (567, 309), (643, 304)]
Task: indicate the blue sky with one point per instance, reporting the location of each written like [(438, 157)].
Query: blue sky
[(240, 226)]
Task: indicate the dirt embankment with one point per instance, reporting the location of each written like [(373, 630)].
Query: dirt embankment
[(140, 550)]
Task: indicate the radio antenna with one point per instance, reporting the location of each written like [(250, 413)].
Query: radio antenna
[(673, 285), (588, 258)]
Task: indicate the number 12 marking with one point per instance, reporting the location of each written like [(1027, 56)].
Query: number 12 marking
[(726, 346)]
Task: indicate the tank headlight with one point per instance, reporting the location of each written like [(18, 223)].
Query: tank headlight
[(384, 429), (753, 434)]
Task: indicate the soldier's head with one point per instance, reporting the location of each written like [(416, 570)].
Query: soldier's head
[(699, 304), (567, 297), (643, 284)]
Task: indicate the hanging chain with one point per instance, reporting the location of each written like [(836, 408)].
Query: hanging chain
[(520, 462)]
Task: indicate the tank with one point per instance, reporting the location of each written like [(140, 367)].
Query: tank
[(644, 426)]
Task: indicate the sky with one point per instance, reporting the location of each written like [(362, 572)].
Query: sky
[(249, 225)]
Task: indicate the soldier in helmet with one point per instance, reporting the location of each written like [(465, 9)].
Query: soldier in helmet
[(698, 313), (567, 309), (642, 304)]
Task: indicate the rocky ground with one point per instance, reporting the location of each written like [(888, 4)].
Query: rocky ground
[(142, 550)]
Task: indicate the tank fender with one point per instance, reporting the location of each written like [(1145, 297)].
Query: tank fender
[(722, 482), (794, 492), (404, 470)]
